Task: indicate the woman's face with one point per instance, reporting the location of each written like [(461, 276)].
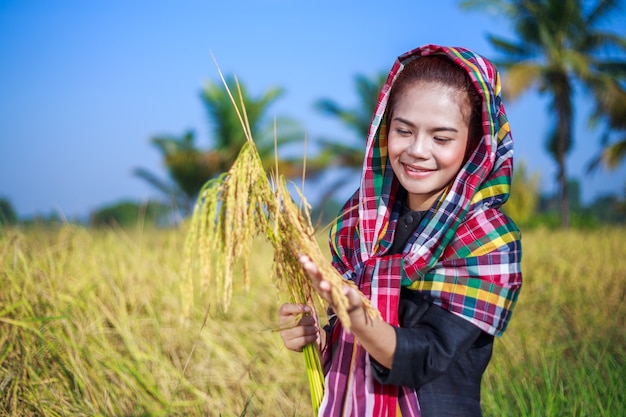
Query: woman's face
[(428, 135)]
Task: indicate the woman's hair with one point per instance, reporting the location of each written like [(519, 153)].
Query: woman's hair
[(440, 69)]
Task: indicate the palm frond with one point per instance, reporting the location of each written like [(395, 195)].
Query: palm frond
[(610, 157), (155, 181)]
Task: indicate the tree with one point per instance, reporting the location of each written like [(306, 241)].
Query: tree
[(524, 197), (7, 213), (613, 109), (189, 167), (340, 152), (560, 46), (228, 135), (129, 213), (613, 154), (608, 209)]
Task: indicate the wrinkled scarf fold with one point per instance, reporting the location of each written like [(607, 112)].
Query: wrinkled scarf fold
[(464, 257)]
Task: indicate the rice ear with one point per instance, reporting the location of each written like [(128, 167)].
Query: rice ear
[(245, 202)]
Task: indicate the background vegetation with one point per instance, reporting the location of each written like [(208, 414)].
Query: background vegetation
[(91, 318), (563, 49), (91, 323)]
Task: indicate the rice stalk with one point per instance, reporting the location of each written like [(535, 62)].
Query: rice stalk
[(237, 207)]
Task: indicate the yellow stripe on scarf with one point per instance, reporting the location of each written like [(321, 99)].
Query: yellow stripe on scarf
[(458, 288), (496, 243), (504, 130), (494, 190)]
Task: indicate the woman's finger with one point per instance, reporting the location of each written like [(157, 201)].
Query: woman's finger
[(354, 299), (321, 285), (291, 309), (302, 333)]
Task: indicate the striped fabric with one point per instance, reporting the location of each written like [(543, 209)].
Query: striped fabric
[(465, 256)]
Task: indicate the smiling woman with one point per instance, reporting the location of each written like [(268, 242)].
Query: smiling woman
[(428, 138), (434, 125), (424, 239)]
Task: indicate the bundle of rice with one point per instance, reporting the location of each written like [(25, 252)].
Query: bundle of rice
[(242, 204)]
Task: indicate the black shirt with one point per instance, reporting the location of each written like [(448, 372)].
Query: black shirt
[(441, 355)]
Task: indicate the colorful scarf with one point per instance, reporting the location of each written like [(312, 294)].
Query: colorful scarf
[(465, 255)]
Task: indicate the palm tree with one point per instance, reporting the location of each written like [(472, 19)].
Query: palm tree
[(560, 47), (524, 198), (189, 167), (613, 151), (228, 135), (342, 153)]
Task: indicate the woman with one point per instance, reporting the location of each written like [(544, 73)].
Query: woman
[(425, 240)]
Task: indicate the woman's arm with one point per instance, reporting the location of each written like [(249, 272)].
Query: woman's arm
[(375, 335), (429, 346), (404, 356)]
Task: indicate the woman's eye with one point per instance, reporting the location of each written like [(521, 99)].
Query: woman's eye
[(403, 132), (442, 140)]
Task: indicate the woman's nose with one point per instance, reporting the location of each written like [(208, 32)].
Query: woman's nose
[(418, 147)]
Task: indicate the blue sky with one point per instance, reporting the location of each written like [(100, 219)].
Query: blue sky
[(84, 85)]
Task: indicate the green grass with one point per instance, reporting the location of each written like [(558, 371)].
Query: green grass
[(92, 324), (564, 353)]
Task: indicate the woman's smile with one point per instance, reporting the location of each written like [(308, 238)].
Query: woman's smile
[(428, 135), (413, 170)]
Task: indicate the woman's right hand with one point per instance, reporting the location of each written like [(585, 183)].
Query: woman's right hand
[(299, 326)]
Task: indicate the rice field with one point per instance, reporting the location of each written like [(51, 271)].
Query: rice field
[(102, 323)]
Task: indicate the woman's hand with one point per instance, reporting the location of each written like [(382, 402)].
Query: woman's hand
[(299, 326), (375, 335), (323, 287)]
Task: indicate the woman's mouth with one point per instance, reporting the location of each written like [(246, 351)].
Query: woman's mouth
[(416, 170)]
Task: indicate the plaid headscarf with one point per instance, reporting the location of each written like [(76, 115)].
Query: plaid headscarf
[(465, 255)]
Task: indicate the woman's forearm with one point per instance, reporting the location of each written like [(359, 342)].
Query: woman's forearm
[(376, 336)]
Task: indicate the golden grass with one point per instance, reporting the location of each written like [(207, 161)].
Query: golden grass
[(92, 323)]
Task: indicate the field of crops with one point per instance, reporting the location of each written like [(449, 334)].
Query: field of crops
[(103, 323)]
